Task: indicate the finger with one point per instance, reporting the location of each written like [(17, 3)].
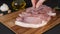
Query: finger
[(33, 3), (39, 3)]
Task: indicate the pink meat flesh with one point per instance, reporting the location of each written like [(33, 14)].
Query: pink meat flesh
[(35, 15)]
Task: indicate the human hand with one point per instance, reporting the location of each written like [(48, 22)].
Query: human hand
[(37, 3)]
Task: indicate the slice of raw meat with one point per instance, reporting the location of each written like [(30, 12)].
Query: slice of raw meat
[(35, 17)]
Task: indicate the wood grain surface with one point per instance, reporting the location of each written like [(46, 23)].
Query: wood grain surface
[(9, 21)]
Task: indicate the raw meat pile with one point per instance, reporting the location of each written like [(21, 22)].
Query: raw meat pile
[(35, 17)]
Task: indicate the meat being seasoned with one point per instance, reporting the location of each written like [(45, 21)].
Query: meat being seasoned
[(35, 17)]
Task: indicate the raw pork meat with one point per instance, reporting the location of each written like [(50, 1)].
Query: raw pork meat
[(35, 17)]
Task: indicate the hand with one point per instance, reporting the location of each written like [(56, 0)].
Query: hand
[(37, 3)]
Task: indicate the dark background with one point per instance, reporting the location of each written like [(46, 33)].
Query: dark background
[(5, 30)]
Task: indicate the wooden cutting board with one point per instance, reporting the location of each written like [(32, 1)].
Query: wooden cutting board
[(9, 21)]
